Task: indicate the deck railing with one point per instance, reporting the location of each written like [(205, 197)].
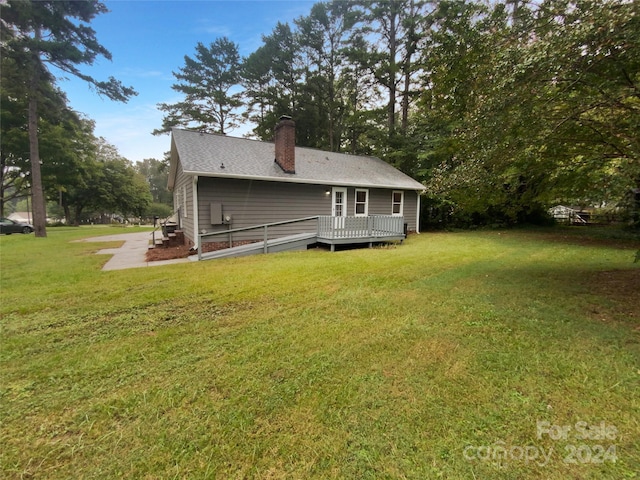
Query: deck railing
[(162, 224), (360, 227), (264, 227)]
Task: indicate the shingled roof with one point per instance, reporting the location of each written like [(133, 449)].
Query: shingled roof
[(213, 155)]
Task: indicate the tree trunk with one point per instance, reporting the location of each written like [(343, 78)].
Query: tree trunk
[(405, 100), (3, 163), (77, 213), (37, 192), (635, 205), (331, 126), (67, 214), (391, 108), (332, 97)]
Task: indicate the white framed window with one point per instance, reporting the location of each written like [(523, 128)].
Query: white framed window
[(362, 202), (397, 203)]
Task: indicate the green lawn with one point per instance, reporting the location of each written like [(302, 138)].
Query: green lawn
[(501, 355)]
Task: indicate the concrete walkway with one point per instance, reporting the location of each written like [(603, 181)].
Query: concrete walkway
[(131, 254)]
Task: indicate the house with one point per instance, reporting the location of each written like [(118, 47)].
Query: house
[(571, 215), (226, 184), (24, 217)]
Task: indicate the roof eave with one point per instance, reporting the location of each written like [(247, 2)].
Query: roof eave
[(421, 187)]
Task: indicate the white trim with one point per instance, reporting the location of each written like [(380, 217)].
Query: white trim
[(418, 213), (343, 190), (401, 212), (196, 212), (366, 203), (176, 200)]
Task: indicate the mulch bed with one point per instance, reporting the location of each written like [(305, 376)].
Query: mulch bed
[(183, 251), (168, 253)]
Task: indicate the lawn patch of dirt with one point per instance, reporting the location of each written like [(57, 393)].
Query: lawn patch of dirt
[(621, 288)]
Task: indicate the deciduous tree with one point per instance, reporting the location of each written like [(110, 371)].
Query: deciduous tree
[(156, 173)]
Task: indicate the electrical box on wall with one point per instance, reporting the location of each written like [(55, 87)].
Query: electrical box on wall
[(227, 219), (215, 210)]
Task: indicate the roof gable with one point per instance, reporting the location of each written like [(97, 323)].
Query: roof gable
[(214, 155)]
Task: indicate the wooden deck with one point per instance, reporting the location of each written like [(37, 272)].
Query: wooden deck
[(330, 231), (354, 230)]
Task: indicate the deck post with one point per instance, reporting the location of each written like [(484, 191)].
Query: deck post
[(266, 237)]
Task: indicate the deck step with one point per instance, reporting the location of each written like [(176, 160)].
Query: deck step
[(171, 240)]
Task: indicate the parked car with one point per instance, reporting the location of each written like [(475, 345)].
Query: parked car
[(9, 226)]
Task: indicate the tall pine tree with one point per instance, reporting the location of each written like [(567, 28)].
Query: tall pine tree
[(52, 32), (207, 82)]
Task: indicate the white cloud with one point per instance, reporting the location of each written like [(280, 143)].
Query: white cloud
[(206, 26), (142, 73)]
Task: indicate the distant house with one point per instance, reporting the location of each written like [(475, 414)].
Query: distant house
[(223, 183), (572, 215), (24, 217)]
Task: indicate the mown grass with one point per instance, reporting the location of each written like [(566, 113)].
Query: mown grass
[(405, 362)]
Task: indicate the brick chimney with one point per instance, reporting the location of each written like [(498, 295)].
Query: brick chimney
[(286, 144)]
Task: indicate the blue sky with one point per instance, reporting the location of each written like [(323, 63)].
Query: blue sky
[(148, 40)]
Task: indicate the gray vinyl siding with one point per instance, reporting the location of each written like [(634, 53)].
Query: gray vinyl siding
[(251, 203), (183, 182), (255, 202), (381, 203)]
